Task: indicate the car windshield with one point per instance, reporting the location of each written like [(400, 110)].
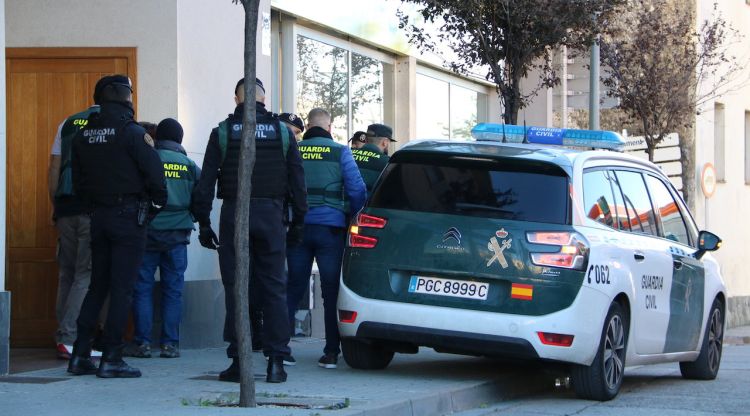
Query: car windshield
[(505, 189)]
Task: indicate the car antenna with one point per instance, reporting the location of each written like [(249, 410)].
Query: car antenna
[(525, 134)]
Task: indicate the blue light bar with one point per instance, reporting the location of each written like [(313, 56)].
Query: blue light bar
[(546, 135)]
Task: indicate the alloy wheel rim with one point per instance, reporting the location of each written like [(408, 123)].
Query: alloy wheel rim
[(614, 352), (715, 336)]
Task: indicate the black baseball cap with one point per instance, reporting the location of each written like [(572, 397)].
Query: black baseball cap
[(241, 82), (359, 136), (380, 130), (104, 82), (293, 120)]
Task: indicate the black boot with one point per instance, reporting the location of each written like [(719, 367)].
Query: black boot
[(275, 372), (112, 365), (80, 360), (232, 373)]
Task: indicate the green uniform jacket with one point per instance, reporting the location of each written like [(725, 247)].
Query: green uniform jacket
[(321, 159), (181, 174), (371, 162)]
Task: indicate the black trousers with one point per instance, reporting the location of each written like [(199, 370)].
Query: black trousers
[(117, 247), (267, 276)]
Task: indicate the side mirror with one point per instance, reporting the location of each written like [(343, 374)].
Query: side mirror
[(707, 241)]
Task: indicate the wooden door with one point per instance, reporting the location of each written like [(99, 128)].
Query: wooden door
[(44, 86)]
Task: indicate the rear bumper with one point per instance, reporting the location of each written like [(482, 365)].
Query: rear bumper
[(474, 332), (457, 342)]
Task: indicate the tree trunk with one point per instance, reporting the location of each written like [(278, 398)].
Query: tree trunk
[(687, 160), (242, 214), (650, 149)]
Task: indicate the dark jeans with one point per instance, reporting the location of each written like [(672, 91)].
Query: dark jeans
[(117, 246), (325, 245), (267, 278), (172, 265)]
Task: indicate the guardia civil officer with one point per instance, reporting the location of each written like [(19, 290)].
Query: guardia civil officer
[(373, 156), (73, 230), (334, 191), (277, 173), (358, 140), (118, 172), (295, 124)]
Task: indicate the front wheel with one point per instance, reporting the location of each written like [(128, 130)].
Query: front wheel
[(706, 367), (364, 355), (602, 379)]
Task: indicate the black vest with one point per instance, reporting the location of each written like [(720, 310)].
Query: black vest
[(270, 173), (107, 167)]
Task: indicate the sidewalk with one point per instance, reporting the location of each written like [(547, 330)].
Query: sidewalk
[(737, 335), (424, 384)]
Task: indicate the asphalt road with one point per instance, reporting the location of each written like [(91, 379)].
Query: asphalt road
[(656, 390)]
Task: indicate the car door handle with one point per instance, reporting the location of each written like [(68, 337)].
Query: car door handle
[(639, 256), (677, 264)]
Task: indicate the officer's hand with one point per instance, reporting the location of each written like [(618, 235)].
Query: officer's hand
[(207, 237), (295, 234)]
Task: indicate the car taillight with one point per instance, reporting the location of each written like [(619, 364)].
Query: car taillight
[(557, 340), (364, 221), (347, 317), (572, 251)]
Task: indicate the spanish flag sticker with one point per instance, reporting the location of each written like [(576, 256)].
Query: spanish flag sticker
[(519, 291)]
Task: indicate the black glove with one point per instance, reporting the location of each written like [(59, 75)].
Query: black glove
[(207, 237), (295, 234)]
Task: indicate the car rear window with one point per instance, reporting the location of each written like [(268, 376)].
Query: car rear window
[(491, 188)]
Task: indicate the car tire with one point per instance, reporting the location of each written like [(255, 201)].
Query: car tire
[(602, 379), (706, 367), (365, 355)]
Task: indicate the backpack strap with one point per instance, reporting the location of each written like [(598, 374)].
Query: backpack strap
[(284, 137), (223, 139)]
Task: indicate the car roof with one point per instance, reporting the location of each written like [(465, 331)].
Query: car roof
[(565, 157)]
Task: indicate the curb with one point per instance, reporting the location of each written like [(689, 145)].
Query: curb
[(447, 401), (736, 340)]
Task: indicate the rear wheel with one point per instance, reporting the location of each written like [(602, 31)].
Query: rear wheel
[(706, 367), (365, 355), (602, 379)]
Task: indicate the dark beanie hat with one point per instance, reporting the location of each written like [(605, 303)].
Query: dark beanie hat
[(169, 129), (104, 82)]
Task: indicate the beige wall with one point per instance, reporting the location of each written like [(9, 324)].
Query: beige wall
[(725, 212), (147, 25)]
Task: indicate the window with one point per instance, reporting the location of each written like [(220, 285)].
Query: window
[(667, 212), (637, 203), (349, 85), (719, 142), (446, 109), (509, 190), (598, 200)]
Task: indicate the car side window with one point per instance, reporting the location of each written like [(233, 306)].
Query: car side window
[(667, 211), (637, 203), (598, 201)]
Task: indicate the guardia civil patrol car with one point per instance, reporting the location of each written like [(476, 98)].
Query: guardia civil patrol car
[(532, 250)]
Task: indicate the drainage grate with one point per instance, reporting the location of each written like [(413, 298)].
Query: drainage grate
[(31, 380)]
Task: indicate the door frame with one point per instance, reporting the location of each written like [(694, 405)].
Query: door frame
[(129, 54)]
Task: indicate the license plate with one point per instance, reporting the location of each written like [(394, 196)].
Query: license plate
[(448, 287)]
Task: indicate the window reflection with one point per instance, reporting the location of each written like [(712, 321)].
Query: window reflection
[(463, 112), (367, 91), (432, 108), (323, 81)]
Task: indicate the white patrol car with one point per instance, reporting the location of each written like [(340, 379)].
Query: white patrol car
[(530, 250)]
